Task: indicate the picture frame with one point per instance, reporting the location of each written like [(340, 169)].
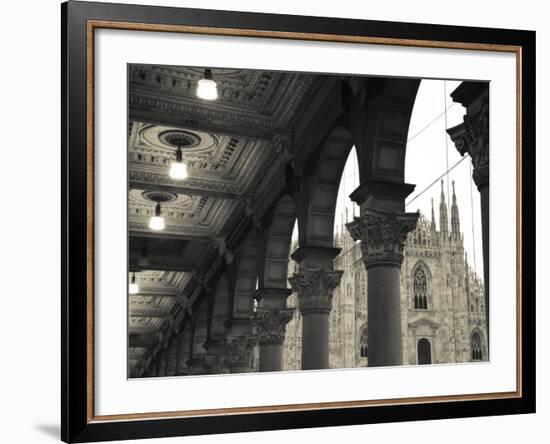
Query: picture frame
[(80, 20)]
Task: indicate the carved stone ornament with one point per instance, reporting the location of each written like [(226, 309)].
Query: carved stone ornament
[(271, 324), (214, 365), (382, 235), (472, 137), (283, 146), (240, 351), (314, 289)]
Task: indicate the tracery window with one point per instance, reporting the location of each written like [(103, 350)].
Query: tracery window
[(420, 289), (475, 346), (364, 351)]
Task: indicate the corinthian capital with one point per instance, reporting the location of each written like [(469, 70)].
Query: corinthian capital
[(472, 137), (314, 289), (214, 365), (270, 325), (240, 351), (382, 235)]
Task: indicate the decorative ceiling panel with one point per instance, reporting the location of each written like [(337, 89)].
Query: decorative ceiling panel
[(259, 99)]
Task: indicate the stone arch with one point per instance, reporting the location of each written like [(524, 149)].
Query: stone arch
[(241, 301), (278, 239), (420, 292), (380, 110), (478, 345), (319, 189)]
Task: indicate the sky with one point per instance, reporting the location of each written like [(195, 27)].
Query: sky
[(430, 153)]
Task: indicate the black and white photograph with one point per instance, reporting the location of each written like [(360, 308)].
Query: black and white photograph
[(283, 221)]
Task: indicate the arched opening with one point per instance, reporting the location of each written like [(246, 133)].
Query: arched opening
[(432, 155), (346, 209), (424, 352), (475, 347), (279, 244), (318, 195)]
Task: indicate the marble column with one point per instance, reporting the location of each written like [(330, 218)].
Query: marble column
[(472, 137), (382, 234), (269, 320), (314, 285)]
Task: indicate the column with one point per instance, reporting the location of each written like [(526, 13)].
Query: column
[(240, 343), (269, 320), (472, 137), (382, 234), (314, 284)]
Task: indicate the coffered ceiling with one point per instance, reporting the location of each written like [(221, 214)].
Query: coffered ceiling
[(228, 145)]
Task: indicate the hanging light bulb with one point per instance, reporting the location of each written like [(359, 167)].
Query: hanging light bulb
[(133, 287), (178, 169), (157, 221), (207, 88)]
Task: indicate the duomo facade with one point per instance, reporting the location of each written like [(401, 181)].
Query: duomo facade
[(442, 302)]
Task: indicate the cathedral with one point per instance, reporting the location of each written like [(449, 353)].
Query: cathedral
[(442, 302)]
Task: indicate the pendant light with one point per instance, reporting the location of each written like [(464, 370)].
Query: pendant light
[(157, 221), (133, 287), (178, 169), (207, 88)]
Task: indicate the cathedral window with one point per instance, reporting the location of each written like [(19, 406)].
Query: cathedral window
[(475, 346), (363, 343), (420, 289)]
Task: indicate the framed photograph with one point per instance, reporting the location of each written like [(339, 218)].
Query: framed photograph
[(275, 221)]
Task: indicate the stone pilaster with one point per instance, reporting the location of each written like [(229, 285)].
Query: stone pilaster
[(472, 137)]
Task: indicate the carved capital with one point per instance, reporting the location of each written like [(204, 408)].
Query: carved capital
[(314, 288), (382, 235), (472, 137), (240, 351), (214, 365), (270, 325)]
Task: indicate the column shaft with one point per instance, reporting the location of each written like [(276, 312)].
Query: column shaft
[(315, 347), (384, 316), (271, 357)]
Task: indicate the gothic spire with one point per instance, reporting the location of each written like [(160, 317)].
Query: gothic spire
[(443, 220), (455, 220), (432, 225)]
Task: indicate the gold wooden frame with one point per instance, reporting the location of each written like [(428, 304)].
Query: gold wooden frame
[(92, 25)]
